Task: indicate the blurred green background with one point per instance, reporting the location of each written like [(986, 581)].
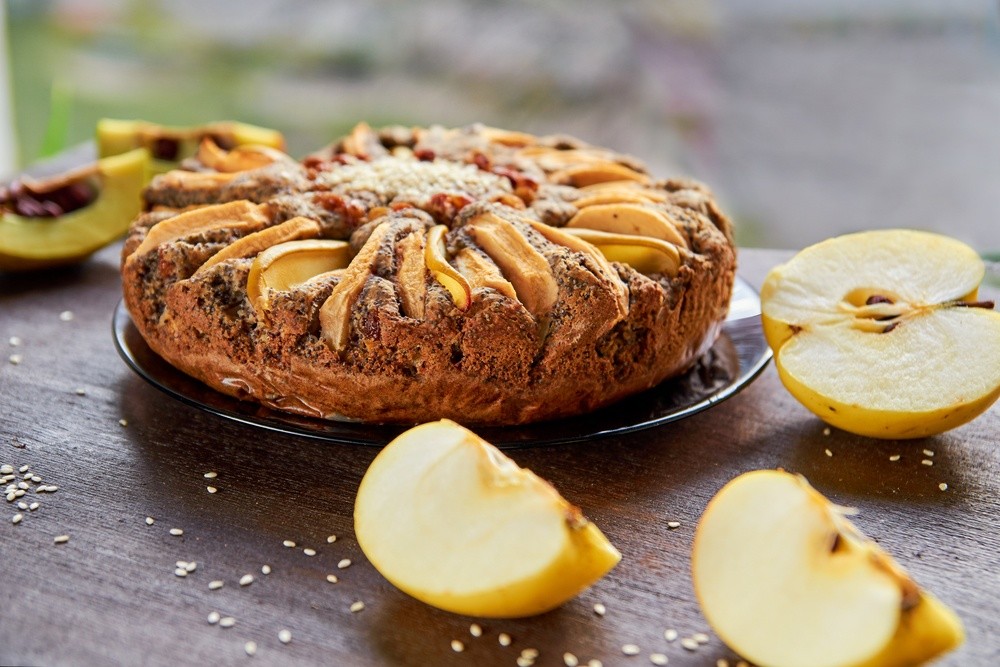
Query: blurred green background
[(808, 117)]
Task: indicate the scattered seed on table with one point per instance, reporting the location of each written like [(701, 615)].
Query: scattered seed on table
[(61, 539), (457, 646), (476, 630), (346, 562), (600, 609), (828, 452), (181, 572), (689, 644), (51, 488), (23, 486), (826, 431), (524, 662), (213, 617), (19, 493), (928, 452), (332, 578), (504, 639), (943, 486), (630, 649), (250, 648), (570, 660), (123, 422), (265, 569), (191, 566), (927, 462), (529, 653), (176, 532), (670, 634), (357, 606), (150, 521), (331, 539), (721, 662), (24, 468), (16, 519), (66, 316), (33, 506), (284, 636), (289, 544), (211, 475), (11, 496), (594, 662), (216, 584), (700, 637), (211, 489), (658, 658), (80, 391), (246, 580), (227, 622), (15, 359), (673, 524), (34, 478), (894, 458), (22, 505), (14, 341), (6, 469), (309, 552)]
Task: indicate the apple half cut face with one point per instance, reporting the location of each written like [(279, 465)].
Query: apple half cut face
[(881, 334), (786, 580), (447, 518)]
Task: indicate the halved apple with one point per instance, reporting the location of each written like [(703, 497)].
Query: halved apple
[(786, 580), (642, 253), (628, 218), (285, 265), (443, 272), (447, 518), (64, 219), (880, 333)]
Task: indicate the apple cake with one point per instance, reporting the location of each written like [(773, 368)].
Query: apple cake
[(409, 274)]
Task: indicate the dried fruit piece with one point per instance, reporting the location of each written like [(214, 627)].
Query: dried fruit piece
[(241, 158), (335, 314), (252, 244), (631, 219), (526, 268), (363, 142), (481, 272), (443, 272), (412, 274), (283, 266), (239, 215), (642, 253)]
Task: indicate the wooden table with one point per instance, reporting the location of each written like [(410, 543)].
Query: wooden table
[(110, 596)]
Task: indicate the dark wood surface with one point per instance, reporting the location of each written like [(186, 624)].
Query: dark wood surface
[(109, 595)]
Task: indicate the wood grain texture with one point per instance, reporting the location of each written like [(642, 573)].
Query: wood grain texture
[(109, 595)]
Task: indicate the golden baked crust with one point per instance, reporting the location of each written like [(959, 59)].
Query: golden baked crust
[(477, 281)]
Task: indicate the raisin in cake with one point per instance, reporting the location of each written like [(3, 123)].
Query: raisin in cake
[(410, 274)]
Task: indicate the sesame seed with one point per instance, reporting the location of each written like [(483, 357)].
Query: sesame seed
[(246, 580), (721, 662), (630, 649), (689, 643), (150, 521), (475, 630), (927, 462), (673, 524), (80, 391), (23, 486), (123, 422), (19, 493), (344, 563), (216, 584), (14, 341), (176, 532), (570, 660), (265, 569), (357, 606), (826, 431), (227, 622), (289, 543), (250, 648), (24, 468), (331, 539), (504, 639), (943, 486), (332, 578), (211, 489), (599, 609), (928, 452), (894, 458), (284, 636), (180, 563), (524, 662), (658, 659), (213, 617), (828, 452), (61, 539), (594, 662), (457, 646), (34, 478), (11, 496), (191, 566), (700, 637), (15, 359), (33, 506), (211, 475), (16, 519), (6, 469), (529, 653), (181, 572), (66, 315), (22, 505), (309, 552)]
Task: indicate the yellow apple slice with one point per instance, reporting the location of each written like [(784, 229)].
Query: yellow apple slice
[(526, 268), (335, 313), (443, 272), (879, 333), (411, 275), (628, 218), (480, 271), (257, 242), (449, 519), (239, 215), (787, 581), (642, 253), (621, 196), (590, 173), (241, 158), (286, 265)]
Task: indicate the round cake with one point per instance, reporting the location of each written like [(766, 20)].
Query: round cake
[(411, 274)]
